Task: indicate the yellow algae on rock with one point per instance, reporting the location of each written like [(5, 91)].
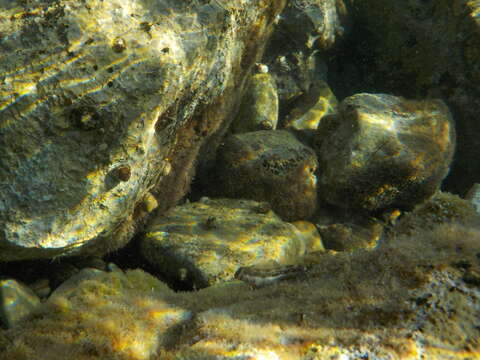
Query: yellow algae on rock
[(203, 243), (381, 151), (308, 115), (96, 95), (309, 232), (109, 316)]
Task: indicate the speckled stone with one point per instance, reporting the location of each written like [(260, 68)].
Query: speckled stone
[(270, 166)]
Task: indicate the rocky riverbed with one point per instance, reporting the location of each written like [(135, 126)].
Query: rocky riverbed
[(239, 180)]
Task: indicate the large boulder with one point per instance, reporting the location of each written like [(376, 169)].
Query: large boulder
[(102, 102)]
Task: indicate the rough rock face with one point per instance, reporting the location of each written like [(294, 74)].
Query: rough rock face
[(383, 151), (270, 166), (316, 23), (102, 101), (304, 30), (200, 244)]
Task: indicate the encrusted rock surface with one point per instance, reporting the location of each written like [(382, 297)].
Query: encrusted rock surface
[(382, 151), (103, 101), (106, 316), (316, 23), (270, 166), (203, 243), (442, 208)]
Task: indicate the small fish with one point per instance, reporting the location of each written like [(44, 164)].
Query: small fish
[(260, 276)]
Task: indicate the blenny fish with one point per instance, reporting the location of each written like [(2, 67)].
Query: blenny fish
[(260, 276)]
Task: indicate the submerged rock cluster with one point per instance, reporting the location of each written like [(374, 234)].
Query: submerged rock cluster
[(274, 215)]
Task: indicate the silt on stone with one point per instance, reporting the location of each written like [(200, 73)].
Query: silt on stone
[(199, 244), (382, 151)]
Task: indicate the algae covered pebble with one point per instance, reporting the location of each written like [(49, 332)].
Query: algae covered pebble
[(203, 243)]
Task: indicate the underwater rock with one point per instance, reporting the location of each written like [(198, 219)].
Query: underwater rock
[(473, 196), (294, 64), (17, 302), (408, 296), (295, 72), (259, 108), (350, 237), (270, 166), (343, 229), (198, 244), (441, 208), (72, 283), (296, 53), (382, 151), (316, 23), (111, 315), (41, 287), (429, 49), (102, 102), (319, 102), (309, 235)]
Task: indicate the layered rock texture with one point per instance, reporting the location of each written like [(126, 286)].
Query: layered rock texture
[(104, 101)]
